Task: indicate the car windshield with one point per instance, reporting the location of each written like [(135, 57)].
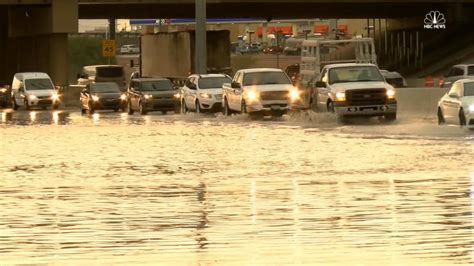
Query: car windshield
[(105, 87), (156, 85), (470, 71), (469, 89), (264, 78), (38, 84), (213, 83), (354, 74)]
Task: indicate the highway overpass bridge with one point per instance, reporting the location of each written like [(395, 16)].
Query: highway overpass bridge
[(33, 33)]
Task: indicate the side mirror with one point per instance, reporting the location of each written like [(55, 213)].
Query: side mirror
[(320, 84), (192, 86), (235, 85), (21, 89)]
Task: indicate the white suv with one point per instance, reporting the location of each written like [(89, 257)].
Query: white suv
[(203, 93), (129, 49)]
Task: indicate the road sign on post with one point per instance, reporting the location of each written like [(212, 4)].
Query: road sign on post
[(108, 48)]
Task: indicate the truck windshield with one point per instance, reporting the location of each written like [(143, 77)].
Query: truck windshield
[(110, 72), (213, 83), (354, 74), (265, 78), (105, 87), (469, 89), (156, 85), (38, 84)]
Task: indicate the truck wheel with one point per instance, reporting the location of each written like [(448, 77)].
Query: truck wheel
[(129, 107), (462, 118), (390, 117), (255, 116), (440, 117), (331, 107), (83, 111), (243, 108), (226, 111), (91, 109)]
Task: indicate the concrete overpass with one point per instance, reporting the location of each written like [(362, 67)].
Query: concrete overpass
[(34, 33)]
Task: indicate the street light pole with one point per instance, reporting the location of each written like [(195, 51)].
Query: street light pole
[(200, 47)]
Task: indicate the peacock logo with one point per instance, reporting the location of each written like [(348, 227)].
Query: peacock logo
[(435, 20)]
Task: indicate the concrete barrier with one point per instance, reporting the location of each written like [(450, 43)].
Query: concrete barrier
[(72, 94), (422, 100)]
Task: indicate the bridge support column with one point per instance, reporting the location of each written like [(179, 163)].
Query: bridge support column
[(36, 39)]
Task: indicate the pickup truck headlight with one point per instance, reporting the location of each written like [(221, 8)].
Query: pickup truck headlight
[(123, 97), (95, 98), (340, 96), (252, 96), (391, 94), (177, 95), (148, 96), (471, 108), (294, 95), (205, 95), (3, 90), (33, 97)]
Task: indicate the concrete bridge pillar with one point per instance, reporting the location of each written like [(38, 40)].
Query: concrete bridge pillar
[(36, 39)]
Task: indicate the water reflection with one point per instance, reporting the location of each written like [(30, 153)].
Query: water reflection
[(35, 117)]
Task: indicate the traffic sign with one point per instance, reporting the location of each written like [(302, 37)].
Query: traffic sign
[(108, 48)]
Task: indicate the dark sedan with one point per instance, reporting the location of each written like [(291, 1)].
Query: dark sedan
[(152, 94), (5, 93), (102, 96)]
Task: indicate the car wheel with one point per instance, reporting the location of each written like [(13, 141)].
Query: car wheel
[(116, 110), (440, 117), (198, 107), (226, 111), (164, 112), (184, 108), (15, 106), (462, 118), (123, 109), (129, 107), (243, 108), (330, 107), (83, 111), (390, 117), (142, 109), (27, 105)]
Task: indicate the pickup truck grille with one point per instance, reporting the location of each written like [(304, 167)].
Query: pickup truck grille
[(366, 97), (274, 95)]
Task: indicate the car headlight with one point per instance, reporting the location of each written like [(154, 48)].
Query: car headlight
[(471, 108), (3, 90), (340, 96), (148, 96), (33, 97), (95, 98), (294, 95), (252, 96), (177, 95), (391, 94), (205, 95), (123, 97), (54, 97)]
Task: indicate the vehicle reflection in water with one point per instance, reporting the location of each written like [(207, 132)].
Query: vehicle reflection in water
[(35, 117), (196, 189)]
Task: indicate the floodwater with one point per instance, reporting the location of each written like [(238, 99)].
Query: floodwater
[(186, 189)]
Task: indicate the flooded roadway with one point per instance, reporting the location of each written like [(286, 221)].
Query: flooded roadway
[(120, 189)]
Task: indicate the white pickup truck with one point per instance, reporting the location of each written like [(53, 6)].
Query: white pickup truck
[(354, 89), (259, 92)]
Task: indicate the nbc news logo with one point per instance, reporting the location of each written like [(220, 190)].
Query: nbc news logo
[(435, 20)]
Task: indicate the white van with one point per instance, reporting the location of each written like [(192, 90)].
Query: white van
[(33, 89)]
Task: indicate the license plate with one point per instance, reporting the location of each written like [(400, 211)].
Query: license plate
[(275, 107)]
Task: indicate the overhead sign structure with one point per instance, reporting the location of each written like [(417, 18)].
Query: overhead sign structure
[(108, 48)]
